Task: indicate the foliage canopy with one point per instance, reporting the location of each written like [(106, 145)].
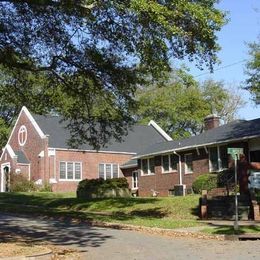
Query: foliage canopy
[(91, 54), (253, 71), (181, 105)]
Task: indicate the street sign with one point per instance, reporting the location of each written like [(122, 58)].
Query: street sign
[(235, 151)]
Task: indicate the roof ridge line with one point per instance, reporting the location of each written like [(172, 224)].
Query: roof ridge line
[(160, 130)]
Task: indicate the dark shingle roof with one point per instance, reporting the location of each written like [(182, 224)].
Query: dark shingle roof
[(21, 158), (139, 137), (129, 164), (235, 130)]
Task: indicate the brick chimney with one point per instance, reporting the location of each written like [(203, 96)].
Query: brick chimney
[(211, 121)]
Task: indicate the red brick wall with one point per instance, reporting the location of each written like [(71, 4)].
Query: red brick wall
[(51, 166), (160, 182), (211, 122), (33, 146), (128, 175), (200, 166), (90, 162), (163, 182), (25, 170)]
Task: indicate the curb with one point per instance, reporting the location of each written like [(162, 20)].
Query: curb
[(157, 231)]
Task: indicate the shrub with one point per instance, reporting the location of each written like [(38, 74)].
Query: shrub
[(19, 183), (206, 181), (46, 187), (102, 188)]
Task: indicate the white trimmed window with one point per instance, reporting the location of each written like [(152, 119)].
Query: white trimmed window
[(71, 171), (148, 166), (135, 180), (218, 158), (170, 163), (108, 171), (213, 159), (188, 163)]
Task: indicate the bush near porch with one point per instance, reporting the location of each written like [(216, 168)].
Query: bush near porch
[(20, 183), (206, 181)]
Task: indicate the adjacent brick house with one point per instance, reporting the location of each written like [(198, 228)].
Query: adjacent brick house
[(161, 166), (37, 148)]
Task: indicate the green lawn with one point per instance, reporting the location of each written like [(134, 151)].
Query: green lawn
[(170, 212), (229, 230)]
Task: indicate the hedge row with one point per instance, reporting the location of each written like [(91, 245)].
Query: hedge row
[(102, 188)]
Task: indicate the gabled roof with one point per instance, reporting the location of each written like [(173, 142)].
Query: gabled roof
[(234, 131), (138, 137), (21, 158)]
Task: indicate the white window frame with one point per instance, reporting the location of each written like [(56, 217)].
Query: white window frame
[(170, 165), (112, 173), (148, 167), (137, 173), (186, 167), (210, 162), (220, 168), (66, 171)]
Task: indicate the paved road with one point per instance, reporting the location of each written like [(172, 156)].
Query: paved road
[(103, 243)]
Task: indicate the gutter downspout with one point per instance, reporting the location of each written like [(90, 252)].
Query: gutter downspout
[(180, 168)]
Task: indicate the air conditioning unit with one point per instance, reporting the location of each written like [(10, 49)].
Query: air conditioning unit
[(254, 180), (180, 190)]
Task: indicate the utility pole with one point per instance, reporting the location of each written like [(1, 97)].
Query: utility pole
[(235, 152), (236, 227)]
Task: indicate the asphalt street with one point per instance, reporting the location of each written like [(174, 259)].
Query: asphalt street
[(104, 243)]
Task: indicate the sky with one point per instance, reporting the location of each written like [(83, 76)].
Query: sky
[(243, 27)]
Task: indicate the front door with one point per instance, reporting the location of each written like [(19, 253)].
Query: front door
[(5, 177)]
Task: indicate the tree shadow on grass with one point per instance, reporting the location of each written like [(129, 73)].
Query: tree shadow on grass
[(73, 203), (219, 229), (154, 213), (195, 211)]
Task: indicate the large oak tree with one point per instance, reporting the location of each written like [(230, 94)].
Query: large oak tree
[(87, 57), (253, 71)]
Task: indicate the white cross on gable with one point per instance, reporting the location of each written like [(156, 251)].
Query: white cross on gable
[(22, 135)]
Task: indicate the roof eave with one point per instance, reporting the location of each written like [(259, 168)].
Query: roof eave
[(129, 166), (195, 146)]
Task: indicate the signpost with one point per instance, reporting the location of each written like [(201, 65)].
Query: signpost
[(235, 152)]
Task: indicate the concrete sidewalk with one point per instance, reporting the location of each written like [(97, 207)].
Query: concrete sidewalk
[(225, 224), (219, 223)]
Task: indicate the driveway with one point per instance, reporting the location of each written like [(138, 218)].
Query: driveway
[(104, 243)]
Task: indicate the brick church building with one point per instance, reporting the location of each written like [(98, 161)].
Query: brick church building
[(37, 148)]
